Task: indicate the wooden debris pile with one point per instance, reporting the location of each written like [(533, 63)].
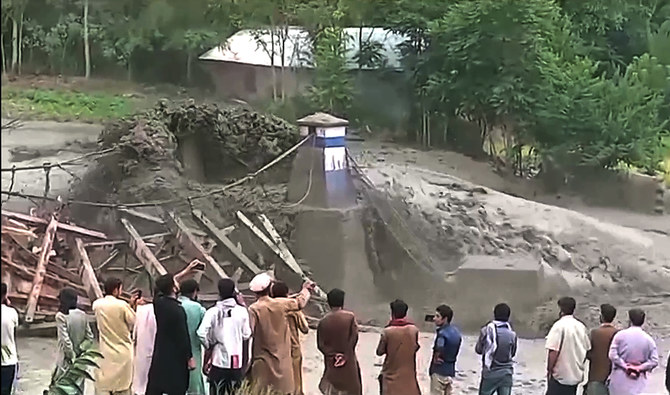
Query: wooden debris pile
[(38, 259), (43, 254)]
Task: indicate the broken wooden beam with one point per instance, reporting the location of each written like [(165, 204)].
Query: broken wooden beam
[(29, 274), (88, 277), (61, 226), (223, 239), (141, 215), (62, 272), (286, 254), (192, 246), (142, 252), (48, 303), (119, 242), (41, 270), (278, 246), (228, 230), (110, 259)]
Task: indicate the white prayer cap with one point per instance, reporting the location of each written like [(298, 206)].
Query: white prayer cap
[(260, 283)]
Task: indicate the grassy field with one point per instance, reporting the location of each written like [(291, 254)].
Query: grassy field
[(77, 99), (64, 105)]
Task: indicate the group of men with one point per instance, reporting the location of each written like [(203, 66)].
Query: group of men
[(155, 349), (620, 360)]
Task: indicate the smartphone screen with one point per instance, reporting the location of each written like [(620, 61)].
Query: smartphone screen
[(429, 317)]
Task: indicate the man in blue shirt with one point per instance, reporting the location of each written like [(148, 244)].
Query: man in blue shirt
[(445, 351)]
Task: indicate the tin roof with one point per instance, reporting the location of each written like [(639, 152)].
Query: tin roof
[(322, 119), (254, 46)]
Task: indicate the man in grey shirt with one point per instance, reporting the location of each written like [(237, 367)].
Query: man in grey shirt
[(497, 346)]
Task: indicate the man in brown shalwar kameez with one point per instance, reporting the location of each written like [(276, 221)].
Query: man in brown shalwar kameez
[(337, 336), (297, 324), (399, 342), (271, 365)]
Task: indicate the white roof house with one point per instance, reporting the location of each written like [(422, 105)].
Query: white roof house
[(254, 47)]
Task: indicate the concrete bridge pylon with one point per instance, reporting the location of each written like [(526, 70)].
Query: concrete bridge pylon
[(329, 233)]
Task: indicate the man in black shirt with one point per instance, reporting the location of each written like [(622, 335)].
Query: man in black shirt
[(172, 358)]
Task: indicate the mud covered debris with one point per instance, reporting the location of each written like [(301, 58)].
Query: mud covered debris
[(177, 151), (229, 136)]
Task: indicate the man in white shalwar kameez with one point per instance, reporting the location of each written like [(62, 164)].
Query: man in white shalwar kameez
[(144, 335)]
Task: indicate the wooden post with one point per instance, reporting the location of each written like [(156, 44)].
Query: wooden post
[(223, 239), (192, 247), (278, 246), (141, 215), (142, 252), (67, 227), (40, 272), (88, 277), (290, 259)]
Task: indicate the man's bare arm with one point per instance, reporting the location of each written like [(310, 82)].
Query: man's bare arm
[(191, 268), (305, 294), (552, 358)]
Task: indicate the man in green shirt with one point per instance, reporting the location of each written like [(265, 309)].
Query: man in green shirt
[(188, 290)]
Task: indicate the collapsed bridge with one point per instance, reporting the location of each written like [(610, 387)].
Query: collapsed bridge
[(244, 192)]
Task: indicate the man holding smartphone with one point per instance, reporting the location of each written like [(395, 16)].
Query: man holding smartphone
[(445, 351)]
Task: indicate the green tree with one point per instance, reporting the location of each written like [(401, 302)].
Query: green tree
[(87, 46), (128, 25), (484, 59), (332, 89), (59, 40), (14, 10), (191, 41), (582, 120)]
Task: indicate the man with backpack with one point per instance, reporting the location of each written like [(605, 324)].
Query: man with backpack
[(497, 345)]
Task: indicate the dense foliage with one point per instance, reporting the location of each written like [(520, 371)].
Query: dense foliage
[(582, 82)]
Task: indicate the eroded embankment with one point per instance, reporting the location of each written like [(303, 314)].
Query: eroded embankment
[(429, 250)]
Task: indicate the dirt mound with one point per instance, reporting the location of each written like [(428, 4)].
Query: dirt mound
[(231, 135)]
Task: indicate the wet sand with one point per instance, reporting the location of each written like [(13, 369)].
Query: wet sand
[(37, 356)]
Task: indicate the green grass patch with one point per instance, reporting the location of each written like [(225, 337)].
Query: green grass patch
[(65, 105)]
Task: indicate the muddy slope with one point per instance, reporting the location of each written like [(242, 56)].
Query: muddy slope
[(441, 220)]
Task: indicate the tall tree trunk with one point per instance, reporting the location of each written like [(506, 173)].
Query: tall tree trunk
[(272, 61), (4, 60), (284, 37), (360, 46), (129, 67), (189, 60), (15, 45), (20, 46), (87, 47)]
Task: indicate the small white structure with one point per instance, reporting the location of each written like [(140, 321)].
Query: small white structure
[(320, 176), (330, 133)]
